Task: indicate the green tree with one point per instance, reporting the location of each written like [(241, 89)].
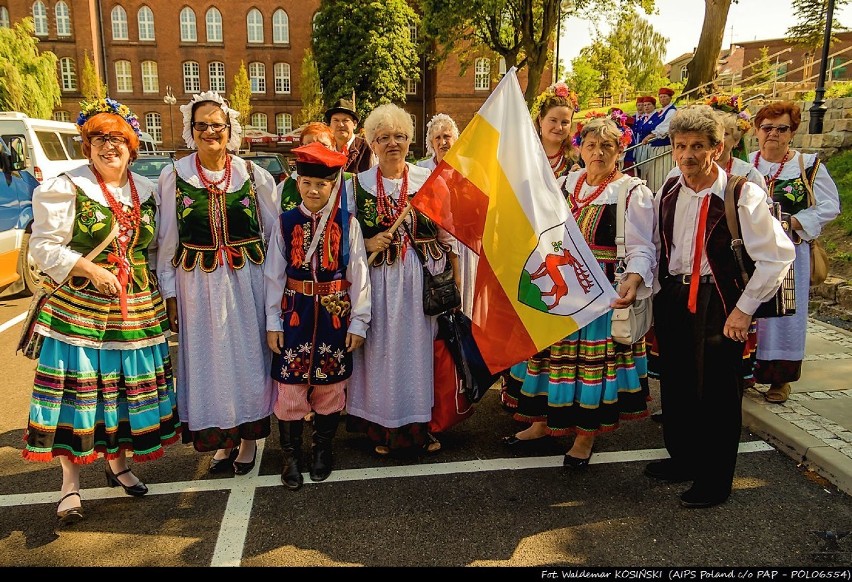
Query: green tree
[(643, 60), (520, 31), (604, 58), (241, 95), (375, 38), (761, 70), (91, 85), (702, 68), (809, 29), (584, 79), (28, 79), (311, 90)]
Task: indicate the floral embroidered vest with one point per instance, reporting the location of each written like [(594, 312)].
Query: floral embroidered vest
[(792, 193), (217, 228)]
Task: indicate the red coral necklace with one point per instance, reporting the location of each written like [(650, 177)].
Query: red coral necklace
[(211, 185), (388, 209), (579, 202), (780, 168)]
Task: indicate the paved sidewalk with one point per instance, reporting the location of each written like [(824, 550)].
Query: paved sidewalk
[(814, 426)]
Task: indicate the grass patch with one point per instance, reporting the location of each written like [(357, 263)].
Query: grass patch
[(840, 168)]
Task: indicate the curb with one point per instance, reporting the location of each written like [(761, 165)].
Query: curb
[(797, 444)]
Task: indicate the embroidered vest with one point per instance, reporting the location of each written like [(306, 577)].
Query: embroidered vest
[(290, 197), (655, 120), (298, 231), (424, 231), (792, 193), (217, 228)]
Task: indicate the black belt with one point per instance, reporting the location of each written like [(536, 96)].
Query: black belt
[(685, 279)]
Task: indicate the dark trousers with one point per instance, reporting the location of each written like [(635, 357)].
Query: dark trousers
[(701, 385)]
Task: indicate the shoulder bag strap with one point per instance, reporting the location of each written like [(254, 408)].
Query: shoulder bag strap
[(732, 195), (92, 254), (806, 180)]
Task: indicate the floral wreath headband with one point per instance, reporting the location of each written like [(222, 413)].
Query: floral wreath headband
[(438, 120), (618, 116), (232, 114), (731, 104), (89, 109), (560, 90)]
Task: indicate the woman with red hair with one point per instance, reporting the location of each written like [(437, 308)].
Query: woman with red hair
[(103, 384), (789, 176)]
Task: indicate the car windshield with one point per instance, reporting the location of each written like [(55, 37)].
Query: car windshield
[(150, 167), (270, 163)]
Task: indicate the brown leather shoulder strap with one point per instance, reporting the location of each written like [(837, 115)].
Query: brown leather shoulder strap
[(732, 196)]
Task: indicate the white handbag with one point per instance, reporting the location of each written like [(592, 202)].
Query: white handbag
[(629, 324)]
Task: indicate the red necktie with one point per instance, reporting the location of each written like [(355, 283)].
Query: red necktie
[(696, 257)]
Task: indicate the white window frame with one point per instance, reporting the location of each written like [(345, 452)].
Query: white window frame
[(280, 27), (40, 18), (150, 77), (283, 123), (118, 17), (482, 74), (154, 126), (61, 116), (68, 74), (410, 87), (257, 77), (63, 19), (412, 33), (123, 77), (4, 17), (684, 73), (260, 121), (191, 77), (216, 76), (283, 84), (188, 27), (213, 19), (145, 23), (254, 26)]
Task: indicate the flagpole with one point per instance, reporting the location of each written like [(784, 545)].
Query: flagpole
[(392, 230)]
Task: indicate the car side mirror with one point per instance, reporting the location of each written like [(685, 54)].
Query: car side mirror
[(19, 158)]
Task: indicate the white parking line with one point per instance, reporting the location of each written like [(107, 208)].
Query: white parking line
[(13, 322)]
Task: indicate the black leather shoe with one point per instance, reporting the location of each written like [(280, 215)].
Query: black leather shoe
[(695, 499), (576, 463), (71, 515), (225, 465), (668, 471), (245, 468), (137, 490), (513, 441)]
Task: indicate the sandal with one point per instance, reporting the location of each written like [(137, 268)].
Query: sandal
[(432, 445)]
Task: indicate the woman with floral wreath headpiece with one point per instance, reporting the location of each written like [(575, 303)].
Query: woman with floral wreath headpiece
[(218, 211), (103, 383), (552, 113)]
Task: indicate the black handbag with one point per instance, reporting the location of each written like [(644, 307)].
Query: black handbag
[(440, 292), (784, 301)]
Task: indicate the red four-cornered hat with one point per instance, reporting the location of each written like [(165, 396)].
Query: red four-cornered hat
[(665, 91), (317, 161)]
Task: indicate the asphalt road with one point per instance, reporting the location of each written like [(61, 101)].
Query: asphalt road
[(473, 504)]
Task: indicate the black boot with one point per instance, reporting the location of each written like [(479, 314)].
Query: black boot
[(325, 425), (290, 434)]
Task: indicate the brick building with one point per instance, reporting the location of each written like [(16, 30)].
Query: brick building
[(143, 48), (796, 63)]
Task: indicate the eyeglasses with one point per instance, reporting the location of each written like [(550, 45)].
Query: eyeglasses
[(398, 138), (782, 129), (201, 127), (100, 139)]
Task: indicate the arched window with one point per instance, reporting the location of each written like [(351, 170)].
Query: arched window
[(314, 21), (188, 32), (61, 116), (145, 18), (67, 74), (258, 120), (63, 19), (150, 81), (4, 17), (282, 78), (684, 74), (154, 126), (216, 71), (214, 25), (283, 123), (254, 25), (257, 77), (482, 74), (191, 77), (119, 23), (123, 77), (280, 27), (40, 18)]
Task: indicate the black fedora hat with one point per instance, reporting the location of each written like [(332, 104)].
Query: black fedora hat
[(342, 106)]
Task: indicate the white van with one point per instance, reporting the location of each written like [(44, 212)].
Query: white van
[(147, 144), (51, 147)]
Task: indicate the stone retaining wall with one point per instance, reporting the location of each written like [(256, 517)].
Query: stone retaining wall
[(833, 298)]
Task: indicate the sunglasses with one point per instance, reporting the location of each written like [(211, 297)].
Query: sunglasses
[(201, 127), (100, 139), (782, 129)]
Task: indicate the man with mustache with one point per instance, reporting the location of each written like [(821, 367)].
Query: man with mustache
[(702, 310)]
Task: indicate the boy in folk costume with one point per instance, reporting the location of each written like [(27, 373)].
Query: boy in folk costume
[(317, 309)]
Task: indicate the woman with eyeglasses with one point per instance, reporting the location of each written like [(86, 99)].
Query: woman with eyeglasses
[(217, 215), (781, 340), (103, 383), (392, 386)]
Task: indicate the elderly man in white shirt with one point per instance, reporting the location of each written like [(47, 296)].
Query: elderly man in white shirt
[(702, 309)]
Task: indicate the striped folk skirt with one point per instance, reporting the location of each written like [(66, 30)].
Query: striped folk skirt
[(88, 402)]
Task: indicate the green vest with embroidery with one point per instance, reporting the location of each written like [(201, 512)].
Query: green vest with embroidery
[(214, 229), (425, 231)]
